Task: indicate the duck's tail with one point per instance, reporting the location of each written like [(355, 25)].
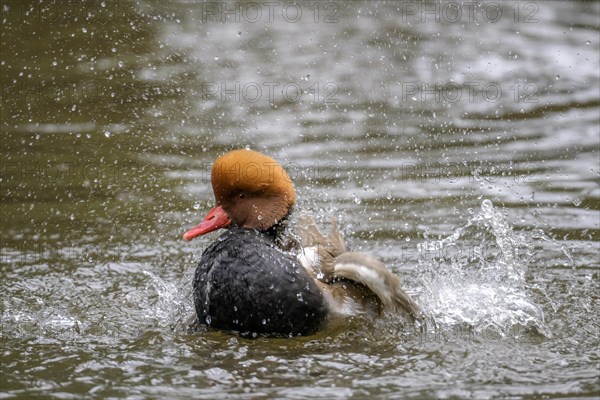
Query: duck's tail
[(326, 258), (369, 271)]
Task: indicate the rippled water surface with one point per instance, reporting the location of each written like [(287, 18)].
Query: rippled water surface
[(457, 142)]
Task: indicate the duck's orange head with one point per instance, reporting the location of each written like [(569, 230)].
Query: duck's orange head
[(251, 191)]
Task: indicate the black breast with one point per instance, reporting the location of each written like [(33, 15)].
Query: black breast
[(245, 283)]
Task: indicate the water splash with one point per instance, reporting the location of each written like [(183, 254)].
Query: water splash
[(167, 304), (476, 277)]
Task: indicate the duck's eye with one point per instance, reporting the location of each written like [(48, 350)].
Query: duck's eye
[(241, 195)]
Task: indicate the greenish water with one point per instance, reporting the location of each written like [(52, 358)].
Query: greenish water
[(397, 118)]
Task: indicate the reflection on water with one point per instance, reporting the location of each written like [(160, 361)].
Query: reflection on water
[(404, 120)]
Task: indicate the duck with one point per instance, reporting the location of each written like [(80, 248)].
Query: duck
[(263, 277)]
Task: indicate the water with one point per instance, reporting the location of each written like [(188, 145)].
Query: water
[(477, 277), (462, 151)]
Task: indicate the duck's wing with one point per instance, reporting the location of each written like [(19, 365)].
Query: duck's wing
[(318, 251), (370, 272)]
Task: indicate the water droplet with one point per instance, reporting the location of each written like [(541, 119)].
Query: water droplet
[(84, 30), (264, 321), (107, 134), (300, 298), (487, 206), (208, 320)]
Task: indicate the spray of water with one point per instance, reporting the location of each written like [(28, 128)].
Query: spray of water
[(169, 306), (476, 277)]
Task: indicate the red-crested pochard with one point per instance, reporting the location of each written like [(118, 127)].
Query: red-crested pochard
[(248, 282)]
